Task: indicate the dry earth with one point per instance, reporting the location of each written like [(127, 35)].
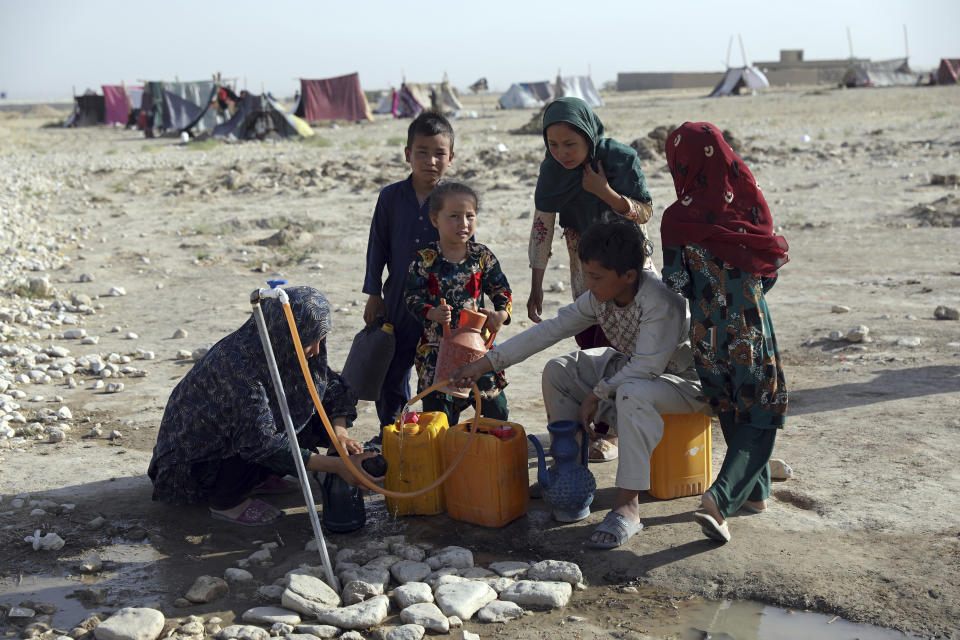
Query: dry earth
[(869, 527)]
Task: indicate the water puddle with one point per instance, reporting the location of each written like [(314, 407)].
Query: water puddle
[(745, 620), (129, 577)]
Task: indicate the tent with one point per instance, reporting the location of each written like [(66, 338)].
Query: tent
[(88, 110), (882, 73), (339, 98), (119, 101), (524, 95), (387, 102), (578, 87), (258, 118), (949, 71), (413, 98), (737, 78), (444, 98), (179, 106)]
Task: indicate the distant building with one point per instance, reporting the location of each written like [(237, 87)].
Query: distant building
[(668, 80), (793, 69)]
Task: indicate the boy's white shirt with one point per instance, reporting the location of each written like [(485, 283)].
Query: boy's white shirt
[(662, 348)]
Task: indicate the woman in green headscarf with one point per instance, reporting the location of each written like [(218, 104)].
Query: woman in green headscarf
[(585, 178)]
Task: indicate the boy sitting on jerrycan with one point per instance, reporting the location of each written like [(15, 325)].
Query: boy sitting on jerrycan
[(647, 372)]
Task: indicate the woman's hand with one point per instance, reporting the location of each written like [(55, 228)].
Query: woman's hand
[(349, 444), (595, 181), (344, 471), (588, 411), (467, 375), (495, 319), (441, 313)]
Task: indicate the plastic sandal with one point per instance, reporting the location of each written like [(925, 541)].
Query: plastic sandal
[(618, 526), (603, 451), (255, 515), (711, 528)]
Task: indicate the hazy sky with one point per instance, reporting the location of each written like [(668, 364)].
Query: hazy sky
[(49, 46)]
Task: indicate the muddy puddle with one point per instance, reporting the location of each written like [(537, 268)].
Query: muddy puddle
[(139, 574)]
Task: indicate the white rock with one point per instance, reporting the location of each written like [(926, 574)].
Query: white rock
[(114, 387), (131, 623), (463, 599), (48, 542), (308, 595), (90, 340), (237, 576), (363, 574), (427, 615), (270, 615), (130, 335), (362, 615), (455, 622), (409, 571), (55, 435), (498, 584), (91, 563), (117, 291), (179, 333), (452, 556), (358, 591), (74, 334), (318, 630), (242, 632), (943, 312), (270, 592), (64, 413), (85, 277), (500, 611), (839, 308), (555, 571), (447, 578), (857, 334), (407, 551), (199, 352), (909, 341), (551, 595), (780, 470), (406, 632), (476, 573), (207, 589), (412, 593), (383, 562)]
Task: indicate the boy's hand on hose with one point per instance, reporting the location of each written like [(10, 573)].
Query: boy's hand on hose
[(375, 309), (588, 411), (595, 181), (467, 375), (441, 314), (495, 319)]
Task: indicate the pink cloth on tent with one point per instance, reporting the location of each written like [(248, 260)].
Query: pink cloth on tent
[(116, 103), (333, 99)]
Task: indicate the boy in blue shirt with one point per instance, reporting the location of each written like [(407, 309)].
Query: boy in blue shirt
[(400, 228)]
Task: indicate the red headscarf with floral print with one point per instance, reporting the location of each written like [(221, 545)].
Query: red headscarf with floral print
[(719, 206)]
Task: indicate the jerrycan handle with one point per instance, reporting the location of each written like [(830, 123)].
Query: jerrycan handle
[(446, 325), (584, 447)]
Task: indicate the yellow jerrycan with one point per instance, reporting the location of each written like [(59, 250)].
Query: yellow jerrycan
[(490, 486), (412, 447), (680, 465)]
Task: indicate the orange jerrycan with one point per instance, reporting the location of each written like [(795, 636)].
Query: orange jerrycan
[(460, 347), (414, 460), (490, 486), (680, 465)]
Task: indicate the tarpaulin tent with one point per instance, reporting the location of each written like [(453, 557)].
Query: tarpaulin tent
[(258, 118), (578, 87), (179, 106), (413, 98), (386, 103), (88, 110), (949, 71), (118, 102), (881, 73), (737, 78), (339, 98), (518, 96), (444, 98)]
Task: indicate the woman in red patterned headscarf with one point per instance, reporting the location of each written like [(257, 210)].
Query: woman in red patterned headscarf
[(720, 252)]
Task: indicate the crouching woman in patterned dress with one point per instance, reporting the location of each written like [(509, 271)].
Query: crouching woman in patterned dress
[(222, 437)]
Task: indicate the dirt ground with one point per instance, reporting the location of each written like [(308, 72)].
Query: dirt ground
[(869, 527)]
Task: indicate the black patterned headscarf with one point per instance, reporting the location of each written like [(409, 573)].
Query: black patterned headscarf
[(226, 405)]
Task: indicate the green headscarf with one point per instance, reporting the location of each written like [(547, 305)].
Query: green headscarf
[(561, 190)]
